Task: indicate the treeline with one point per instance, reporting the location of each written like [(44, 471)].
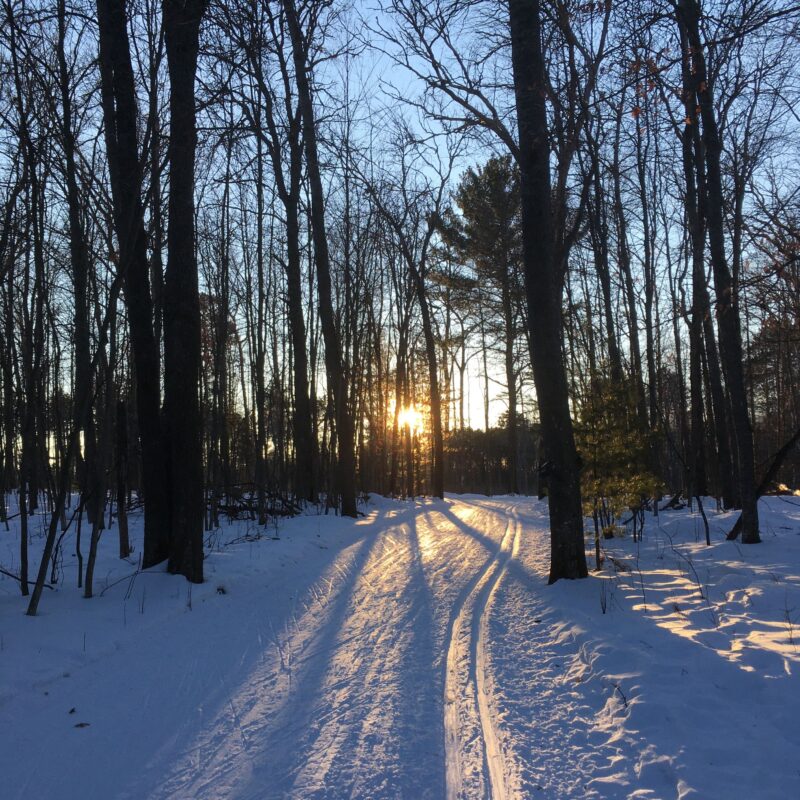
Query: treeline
[(259, 254)]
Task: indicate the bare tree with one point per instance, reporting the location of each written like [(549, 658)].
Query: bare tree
[(543, 284)]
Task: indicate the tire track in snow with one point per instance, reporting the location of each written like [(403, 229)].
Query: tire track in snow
[(469, 621)]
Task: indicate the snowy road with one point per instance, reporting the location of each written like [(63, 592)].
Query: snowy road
[(415, 653)]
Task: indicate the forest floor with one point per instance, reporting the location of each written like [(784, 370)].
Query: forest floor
[(414, 653)]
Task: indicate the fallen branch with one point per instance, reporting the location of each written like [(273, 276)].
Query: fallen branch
[(769, 477), (17, 578), (673, 502)]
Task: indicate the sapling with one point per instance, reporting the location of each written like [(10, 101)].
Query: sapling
[(787, 613)]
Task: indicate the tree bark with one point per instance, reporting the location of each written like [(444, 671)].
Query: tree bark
[(696, 231), (122, 478), (181, 297), (543, 287), (119, 120)]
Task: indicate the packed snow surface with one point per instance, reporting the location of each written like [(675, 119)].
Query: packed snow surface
[(416, 652)]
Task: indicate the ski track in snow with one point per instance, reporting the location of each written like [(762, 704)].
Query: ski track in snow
[(468, 686), (495, 761)]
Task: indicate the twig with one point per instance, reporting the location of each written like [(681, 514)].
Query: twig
[(705, 520), (621, 694), (138, 571), (17, 578)]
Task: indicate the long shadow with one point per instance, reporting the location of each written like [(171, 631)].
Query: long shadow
[(290, 730), (421, 736), (514, 567), (269, 770), (273, 774), (277, 775), (408, 730), (189, 716), (654, 591)]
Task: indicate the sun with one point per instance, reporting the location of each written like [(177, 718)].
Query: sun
[(410, 418)]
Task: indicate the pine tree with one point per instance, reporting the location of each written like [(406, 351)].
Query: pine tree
[(615, 449), (488, 236)]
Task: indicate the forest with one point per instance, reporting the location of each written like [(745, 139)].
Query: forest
[(261, 256), (399, 399)]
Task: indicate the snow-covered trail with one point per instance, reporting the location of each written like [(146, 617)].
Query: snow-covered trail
[(414, 653), (473, 758), (353, 695), (369, 680)]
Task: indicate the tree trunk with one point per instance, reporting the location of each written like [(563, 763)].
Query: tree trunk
[(730, 335), (119, 120), (769, 476), (512, 425), (181, 297), (543, 286), (79, 258), (437, 470), (650, 326), (122, 478), (305, 445), (624, 258), (700, 296), (346, 472), (697, 245)]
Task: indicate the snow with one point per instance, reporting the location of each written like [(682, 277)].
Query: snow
[(414, 653)]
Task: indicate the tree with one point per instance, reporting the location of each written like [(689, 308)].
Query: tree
[(487, 234), (730, 333), (120, 130), (615, 450), (413, 212), (272, 111), (345, 432), (181, 298), (543, 284)]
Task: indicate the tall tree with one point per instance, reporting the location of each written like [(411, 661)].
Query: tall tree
[(345, 431), (543, 283), (487, 233), (181, 296), (119, 126), (729, 322)]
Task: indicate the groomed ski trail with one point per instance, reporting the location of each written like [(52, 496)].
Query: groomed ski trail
[(468, 687), (314, 667)]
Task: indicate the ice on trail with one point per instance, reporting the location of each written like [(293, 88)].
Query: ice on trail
[(414, 653)]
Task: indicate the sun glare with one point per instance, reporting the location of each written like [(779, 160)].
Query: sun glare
[(410, 418)]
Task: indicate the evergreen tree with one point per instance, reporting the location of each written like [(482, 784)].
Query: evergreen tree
[(615, 447), (488, 236)]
